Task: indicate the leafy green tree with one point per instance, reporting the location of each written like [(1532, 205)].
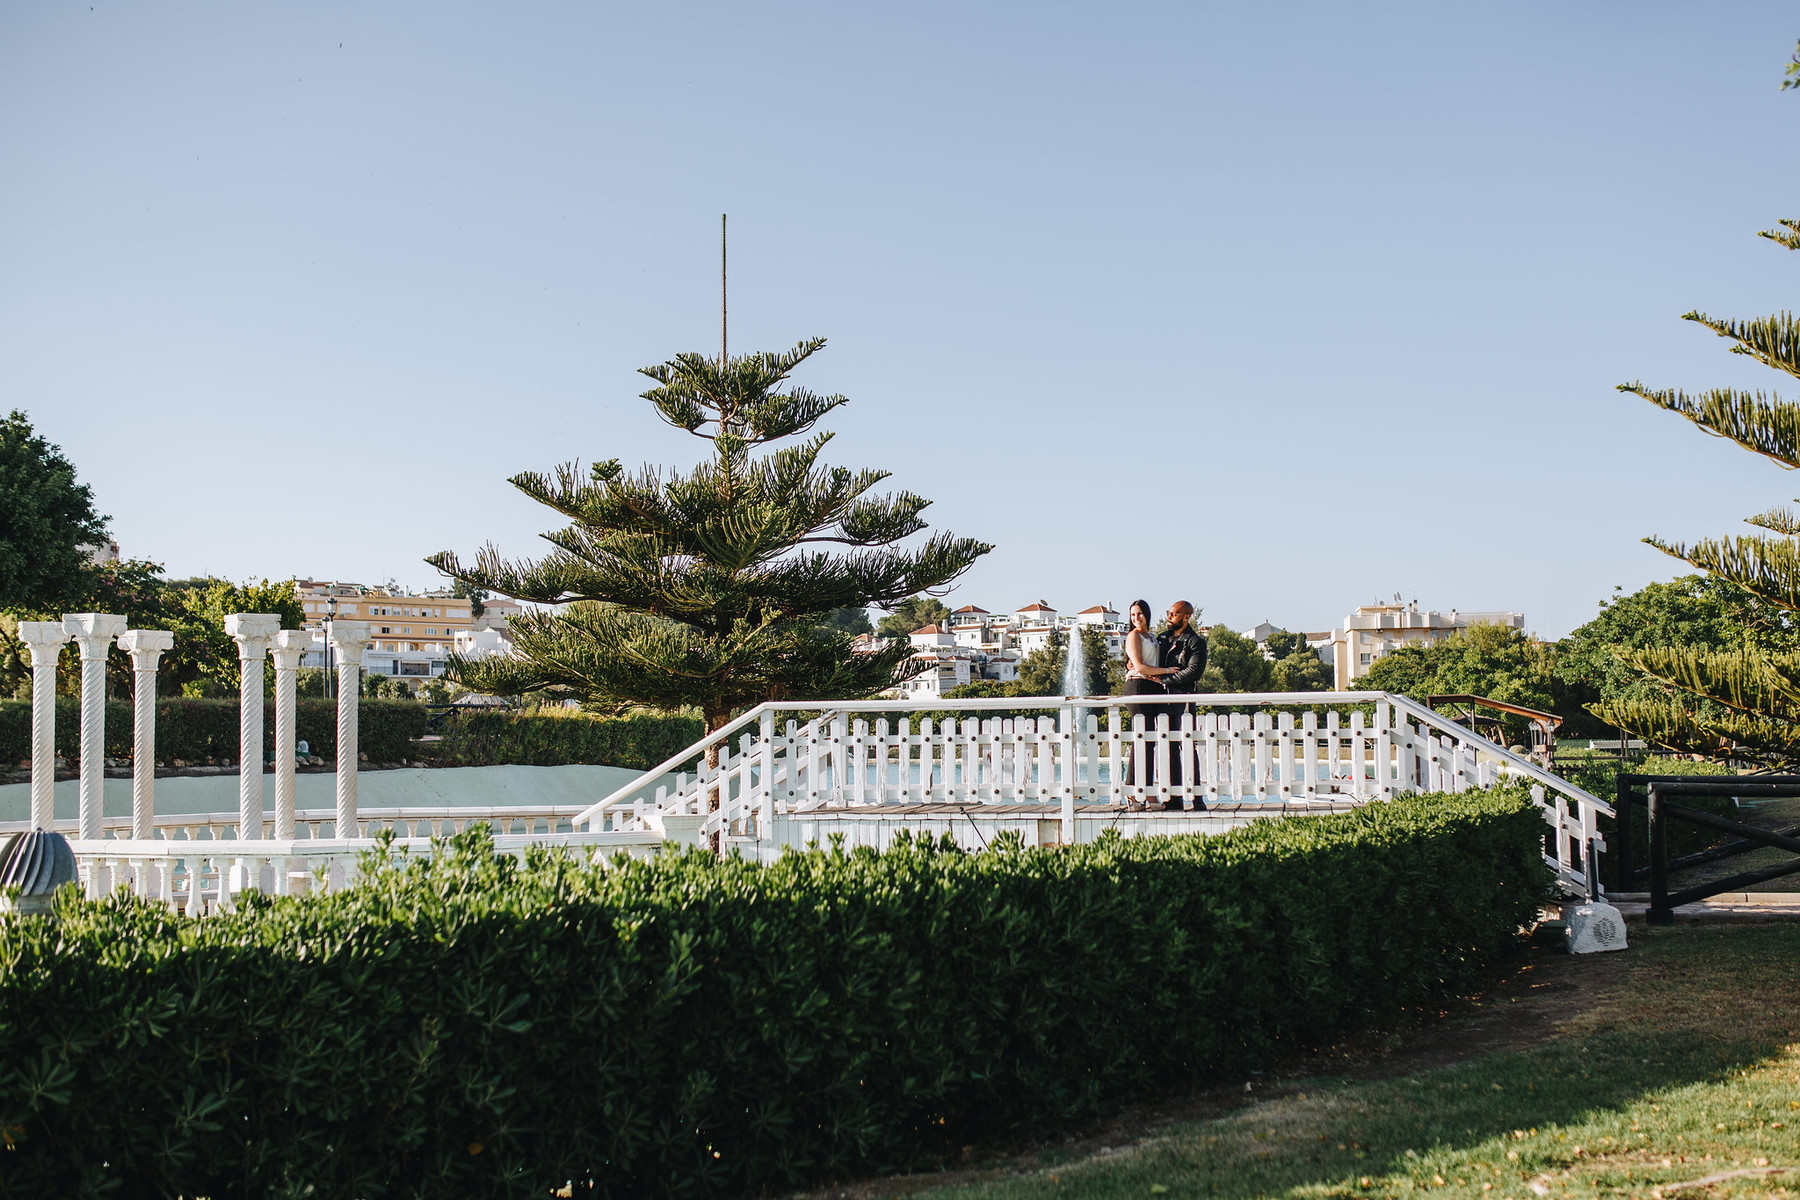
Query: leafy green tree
[(1283, 643), (853, 620), (707, 589), (1041, 674), (47, 521), (1743, 699), (914, 612), (1234, 664), (1302, 672), (1483, 660), (474, 595), (204, 660)]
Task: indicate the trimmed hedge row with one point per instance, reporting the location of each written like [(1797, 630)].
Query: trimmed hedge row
[(198, 730), (552, 737), (471, 1027)]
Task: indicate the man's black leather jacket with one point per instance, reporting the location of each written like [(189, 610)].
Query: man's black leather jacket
[(1186, 652)]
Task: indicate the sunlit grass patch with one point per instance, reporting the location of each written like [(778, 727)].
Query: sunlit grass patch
[(1688, 1068)]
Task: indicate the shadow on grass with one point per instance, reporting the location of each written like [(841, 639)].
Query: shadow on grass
[(1666, 1062)]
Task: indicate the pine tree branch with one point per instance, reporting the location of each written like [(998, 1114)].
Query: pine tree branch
[(1778, 520), (1767, 567), (1788, 235), (1765, 424), (1773, 341), (1749, 681)]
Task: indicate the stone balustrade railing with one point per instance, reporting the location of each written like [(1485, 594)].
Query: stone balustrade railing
[(199, 861), (315, 823), (204, 877)]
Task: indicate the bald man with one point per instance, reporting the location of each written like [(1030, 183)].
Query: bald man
[(1183, 651)]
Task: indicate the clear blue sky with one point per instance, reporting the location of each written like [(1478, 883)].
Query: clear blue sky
[(1275, 307)]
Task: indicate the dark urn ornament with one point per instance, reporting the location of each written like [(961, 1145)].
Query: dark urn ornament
[(37, 863)]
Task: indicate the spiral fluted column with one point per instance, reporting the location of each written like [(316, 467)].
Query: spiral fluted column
[(252, 632), (146, 648), (46, 640), (94, 633), (289, 645), (350, 638)]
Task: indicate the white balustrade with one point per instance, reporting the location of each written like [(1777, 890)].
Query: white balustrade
[(783, 773), (203, 877)]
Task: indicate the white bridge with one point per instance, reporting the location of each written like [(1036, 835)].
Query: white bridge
[(784, 775), (788, 774)]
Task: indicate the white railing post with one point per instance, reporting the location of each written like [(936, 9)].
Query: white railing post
[(46, 640), (94, 633), (1071, 738), (146, 648), (765, 776), (288, 646), (350, 639), (252, 632)]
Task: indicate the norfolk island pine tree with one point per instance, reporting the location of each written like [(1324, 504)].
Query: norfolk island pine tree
[(709, 589), (1752, 693)]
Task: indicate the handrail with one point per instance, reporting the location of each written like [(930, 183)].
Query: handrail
[(1014, 703), (1524, 765), (963, 704)]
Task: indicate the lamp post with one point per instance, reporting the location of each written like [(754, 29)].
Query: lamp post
[(330, 616)]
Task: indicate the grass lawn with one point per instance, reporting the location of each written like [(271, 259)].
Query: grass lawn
[(1683, 1064)]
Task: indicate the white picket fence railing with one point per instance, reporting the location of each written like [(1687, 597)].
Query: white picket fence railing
[(1315, 751)]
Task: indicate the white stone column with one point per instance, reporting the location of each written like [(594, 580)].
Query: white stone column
[(94, 633), (146, 648), (46, 640), (289, 645), (252, 632), (350, 639)]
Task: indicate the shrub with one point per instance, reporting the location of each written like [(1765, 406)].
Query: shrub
[(472, 1026), (197, 730), (555, 736)]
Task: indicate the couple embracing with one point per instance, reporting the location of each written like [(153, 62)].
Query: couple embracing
[(1169, 663)]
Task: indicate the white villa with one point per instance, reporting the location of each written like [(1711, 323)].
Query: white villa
[(974, 644)]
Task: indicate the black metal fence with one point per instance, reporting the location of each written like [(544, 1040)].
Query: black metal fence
[(1659, 795)]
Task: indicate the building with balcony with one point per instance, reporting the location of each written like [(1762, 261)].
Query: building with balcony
[(1374, 630)]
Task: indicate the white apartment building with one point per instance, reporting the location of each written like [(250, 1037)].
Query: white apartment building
[(1377, 629)]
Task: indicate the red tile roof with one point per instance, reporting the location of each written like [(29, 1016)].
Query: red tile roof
[(1040, 606), (1098, 608), (970, 608), (926, 629)]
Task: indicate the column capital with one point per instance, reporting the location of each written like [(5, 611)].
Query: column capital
[(46, 639), (146, 646), (252, 632), (93, 632), (288, 646), (350, 639)]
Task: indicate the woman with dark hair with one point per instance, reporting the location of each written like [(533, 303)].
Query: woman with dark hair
[(1141, 670)]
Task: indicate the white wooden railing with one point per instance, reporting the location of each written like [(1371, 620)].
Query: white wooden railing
[(1315, 750)]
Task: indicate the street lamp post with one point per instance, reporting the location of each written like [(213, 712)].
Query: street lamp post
[(330, 615)]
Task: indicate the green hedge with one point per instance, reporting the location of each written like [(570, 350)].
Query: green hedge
[(470, 1027), (552, 737), (195, 731)]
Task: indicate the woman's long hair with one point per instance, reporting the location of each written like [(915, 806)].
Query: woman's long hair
[(1129, 627)]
